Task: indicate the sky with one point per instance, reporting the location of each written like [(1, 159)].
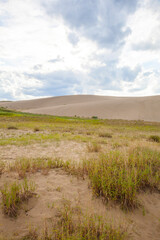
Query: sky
[(68, 47)]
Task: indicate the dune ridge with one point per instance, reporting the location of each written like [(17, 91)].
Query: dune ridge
[(127, 108)]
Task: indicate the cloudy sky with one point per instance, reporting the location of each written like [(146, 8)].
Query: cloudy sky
[(65, 47)]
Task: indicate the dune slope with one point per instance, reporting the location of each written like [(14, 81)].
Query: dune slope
[(129, 108)]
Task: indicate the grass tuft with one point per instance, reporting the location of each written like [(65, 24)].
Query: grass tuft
[(31, 165), (73, 224), (120, 178), (2, 166), (14, 194), (93, 147), (32, 235)]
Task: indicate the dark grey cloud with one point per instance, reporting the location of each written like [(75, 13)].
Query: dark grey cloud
[(103, 21)]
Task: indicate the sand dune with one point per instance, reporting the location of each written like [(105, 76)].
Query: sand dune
[(129, 108)]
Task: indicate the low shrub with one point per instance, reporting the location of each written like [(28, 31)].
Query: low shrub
[(105, 135), (154, 138), (36, 129), (12, 128)]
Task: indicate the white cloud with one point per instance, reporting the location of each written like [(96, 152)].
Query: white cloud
[(142, 45), (31, 38), (108, 49), (142, 86), (15, 83)]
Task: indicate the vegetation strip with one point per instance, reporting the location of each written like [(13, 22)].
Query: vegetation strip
[(114, 176)]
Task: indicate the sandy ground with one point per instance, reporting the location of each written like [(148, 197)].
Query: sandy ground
[(64, 150), (56, 186), (53, 189), (129, 108)]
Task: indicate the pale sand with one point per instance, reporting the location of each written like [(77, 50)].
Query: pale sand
[(141, 223), (129, 108)]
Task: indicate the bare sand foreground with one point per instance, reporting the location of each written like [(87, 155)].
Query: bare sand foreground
[(129, 108)]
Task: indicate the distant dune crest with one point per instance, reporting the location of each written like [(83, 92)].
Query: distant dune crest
[(129, 108)]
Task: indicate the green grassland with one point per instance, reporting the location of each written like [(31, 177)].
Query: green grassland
[(78, 129)]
